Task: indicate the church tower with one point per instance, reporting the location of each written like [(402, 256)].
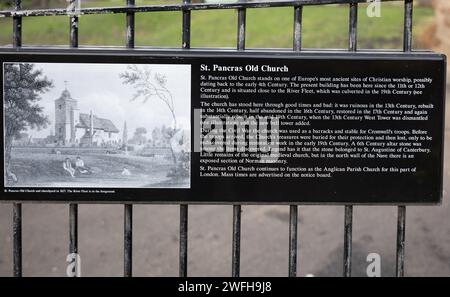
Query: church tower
[(66, 118)]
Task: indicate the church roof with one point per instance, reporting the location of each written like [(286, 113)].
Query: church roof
[(65, 95), (99, 123)]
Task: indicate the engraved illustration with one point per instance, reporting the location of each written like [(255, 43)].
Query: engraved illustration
[(96, 125)]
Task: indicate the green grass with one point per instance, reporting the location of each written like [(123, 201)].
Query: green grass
[(323, 27)]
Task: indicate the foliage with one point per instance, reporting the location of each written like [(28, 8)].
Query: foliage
[(149, 85), (22, 88), (6, 4), (161, 136), (139, 136), (182, 168)]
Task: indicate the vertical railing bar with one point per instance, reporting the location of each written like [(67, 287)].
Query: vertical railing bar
[(130, 25), (74, 25), (128, 240), (298, 11), (17, 207), (400, 258), (293, 225), (186, 37), (348, 215), (73, 208), (128, 208), (73, 228), (401, 210), (184, 209), (353, 27), (237, 209), (293, 209), (236, 244), (17, 25), (348, 234), (407, 31), (242, 13), (183, 240), (17, 239)]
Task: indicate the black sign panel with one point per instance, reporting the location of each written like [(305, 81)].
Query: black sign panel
[(222, 127)]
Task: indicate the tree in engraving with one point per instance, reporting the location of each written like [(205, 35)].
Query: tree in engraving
[(149, 85), (23, 85)]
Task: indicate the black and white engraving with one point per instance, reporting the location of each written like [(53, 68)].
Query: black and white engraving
[(188, 126), (96, 125)]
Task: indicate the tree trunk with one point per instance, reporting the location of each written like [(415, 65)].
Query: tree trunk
[(174, 157), (9, 137), (8, 148)]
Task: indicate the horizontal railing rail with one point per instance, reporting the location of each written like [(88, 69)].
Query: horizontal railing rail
[(175, 7)]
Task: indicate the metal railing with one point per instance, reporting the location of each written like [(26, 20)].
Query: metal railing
[(186, 7)]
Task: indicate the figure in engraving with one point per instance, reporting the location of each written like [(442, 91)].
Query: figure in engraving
[(67, 166), (81, 167)]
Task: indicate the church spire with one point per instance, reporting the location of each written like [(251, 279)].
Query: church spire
[(125, 133), (65, 95), (125, 137)]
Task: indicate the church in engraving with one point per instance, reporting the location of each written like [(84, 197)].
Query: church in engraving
[(73, 128)]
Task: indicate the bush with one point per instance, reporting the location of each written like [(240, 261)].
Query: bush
[(182, 168), (6, 4)]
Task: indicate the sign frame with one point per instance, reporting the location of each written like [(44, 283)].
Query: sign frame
[(138, 56)]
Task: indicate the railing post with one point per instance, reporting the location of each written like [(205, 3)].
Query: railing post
[(236, 244), (74, 24), (401, 210), (186, 35), (242, 14), (130, 25), (237, 210), (17, 25), (348, 234), (128, 208), (73, 208), (348, 216), (407, 31), (128, 240), (17, 207), (400, 258), (293, 209), (184, 211), (293, 232), (183, 240), (73, 228), (17, 239)]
